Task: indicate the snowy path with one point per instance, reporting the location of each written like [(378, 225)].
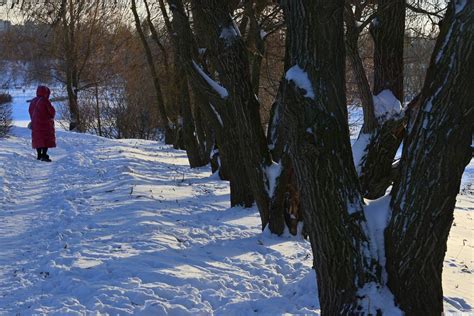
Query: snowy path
[(125, 227)]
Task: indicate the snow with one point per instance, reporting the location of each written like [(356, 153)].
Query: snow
[(301, 80), (359, 149), (386, 105), (446, 40), (377, 214), (126, 227), (378, 298), (228, 33), (273, 172), (460, 5), (217, 87), (458, 269), (219, 118)]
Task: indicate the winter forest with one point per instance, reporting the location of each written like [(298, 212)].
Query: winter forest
[(236, 157)]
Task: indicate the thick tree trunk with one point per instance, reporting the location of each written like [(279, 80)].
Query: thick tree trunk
[(204, 133), (376, 170), (195, 152), (285, 207), (387, 30), (231, 61), (315, 120), (216, 109), (436, 151)]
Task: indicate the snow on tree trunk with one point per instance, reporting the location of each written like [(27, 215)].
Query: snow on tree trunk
[(212, 98), (315, 122), (436, 151), (375, 168), (230, 59)]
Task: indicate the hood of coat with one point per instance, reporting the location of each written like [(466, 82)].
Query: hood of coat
[(43, 91)]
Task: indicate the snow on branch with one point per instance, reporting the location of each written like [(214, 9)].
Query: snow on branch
[(301, 80), (230, 33), (219, 118), (386, 105), (214, 85)]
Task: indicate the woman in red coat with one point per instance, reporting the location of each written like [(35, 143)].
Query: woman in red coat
[(42, 123)]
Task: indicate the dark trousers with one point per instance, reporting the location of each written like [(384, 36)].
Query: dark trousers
[(41, 152)]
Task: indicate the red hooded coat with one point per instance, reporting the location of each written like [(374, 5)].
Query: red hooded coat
[(42, 119)]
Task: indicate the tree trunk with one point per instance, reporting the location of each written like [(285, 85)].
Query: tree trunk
[(315, 120), (151, 65), (256, 44), (195, 153), (231, 61), (75, 123), (156, 39), (284, 207), (97, 111), (436, 151), (216, 109), (352, 49), (387, 30)]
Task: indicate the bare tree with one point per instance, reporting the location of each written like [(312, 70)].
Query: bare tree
[(160, 103)]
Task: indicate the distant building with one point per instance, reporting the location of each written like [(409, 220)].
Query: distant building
[(4, 25)]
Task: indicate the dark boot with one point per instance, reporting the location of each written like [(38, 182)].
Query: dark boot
[(39, 153), (46, 158), (44, 155)]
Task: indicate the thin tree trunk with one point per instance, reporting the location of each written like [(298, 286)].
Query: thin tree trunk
[(256, 42), (151, 65), (154, 36), (70, 61), (352, 49), (436, 151), (97, 111)]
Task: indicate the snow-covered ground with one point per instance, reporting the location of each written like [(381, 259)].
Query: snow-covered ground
[(126, 227)]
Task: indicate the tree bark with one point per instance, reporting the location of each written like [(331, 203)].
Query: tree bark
[(230, 58), (186, 136), (71, 66), (388, 32), (216, 109), (436, 151), (387, 29), (315, 120), (352, 49)]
